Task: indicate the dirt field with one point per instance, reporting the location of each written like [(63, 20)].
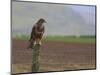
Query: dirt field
[(54, 56)]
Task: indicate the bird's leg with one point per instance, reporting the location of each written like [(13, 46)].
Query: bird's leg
[(34, 42), (38, 41)]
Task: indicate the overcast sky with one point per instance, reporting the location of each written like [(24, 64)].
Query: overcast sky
[(61, 19)]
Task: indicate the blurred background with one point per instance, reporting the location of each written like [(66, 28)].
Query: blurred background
[(65, 20)]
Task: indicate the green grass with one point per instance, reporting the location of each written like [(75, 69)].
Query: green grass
[(67, 39), (22, 37), (70, 39)]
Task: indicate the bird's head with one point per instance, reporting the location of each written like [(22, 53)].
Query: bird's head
[(41, 21)]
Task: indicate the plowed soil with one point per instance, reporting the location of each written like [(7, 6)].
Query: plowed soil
[(54, 56)]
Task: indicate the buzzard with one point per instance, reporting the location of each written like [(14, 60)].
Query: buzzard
[(37, 33)]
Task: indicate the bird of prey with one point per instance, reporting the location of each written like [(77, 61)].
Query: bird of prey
[(37, 33)]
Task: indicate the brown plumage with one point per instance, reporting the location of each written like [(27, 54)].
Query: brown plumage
[(37, 33)]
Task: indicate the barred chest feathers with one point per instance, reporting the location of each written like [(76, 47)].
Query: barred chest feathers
[(40, 28)]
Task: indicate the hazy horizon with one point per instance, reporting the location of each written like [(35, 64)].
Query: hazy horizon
[(61, 19)]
